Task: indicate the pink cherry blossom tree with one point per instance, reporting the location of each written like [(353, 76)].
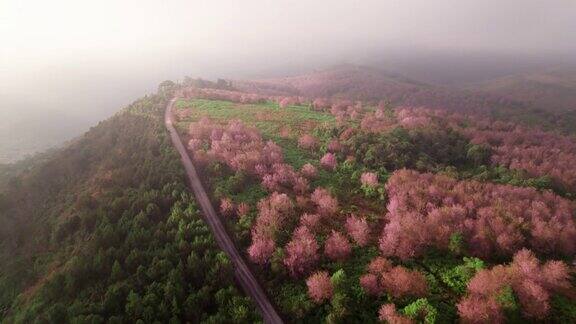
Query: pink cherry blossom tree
[(309, 171), (261, 250), (358, 229), (389, 314), (531, 281), (327, 205), (301, 252), (328, 161), (320, 287), (337, 246), (307, 142), (226, 207)]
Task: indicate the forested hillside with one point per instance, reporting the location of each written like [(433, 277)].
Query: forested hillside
[(348, 211), (553, 89), (105, 231)]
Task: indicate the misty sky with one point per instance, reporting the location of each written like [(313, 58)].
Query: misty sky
[(38, 36), (88, 58)]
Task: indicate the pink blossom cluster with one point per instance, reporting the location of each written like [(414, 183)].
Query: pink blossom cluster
[(243, 149), (226, 207), (284, 102), (530, 281), (237, 145), (397, 281), (427, 210), (358, 229), (388, 313), (282, 177), (328, 161), (307, 142), (319, 287), (272, 214), (327, 204), (337, 247), (539, 153), (301, 252), (414, 117), (377, 122), (309, 171), (321, 103), (345, 109), (312, 221), (334, 146), (239, 96)]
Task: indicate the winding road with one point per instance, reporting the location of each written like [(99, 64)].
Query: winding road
[(243, 274)]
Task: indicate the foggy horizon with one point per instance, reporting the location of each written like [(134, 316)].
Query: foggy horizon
[(85, 61)]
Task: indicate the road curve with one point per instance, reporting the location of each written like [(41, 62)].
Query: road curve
[(241, 270)]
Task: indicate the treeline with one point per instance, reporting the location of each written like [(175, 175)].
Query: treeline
[(105, 231)]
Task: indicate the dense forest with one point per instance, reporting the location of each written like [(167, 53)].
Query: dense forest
[(105, 231)]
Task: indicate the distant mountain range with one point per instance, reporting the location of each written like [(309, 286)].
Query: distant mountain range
[(551, 90)]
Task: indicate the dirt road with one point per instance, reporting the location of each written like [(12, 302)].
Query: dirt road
[(241, 270)]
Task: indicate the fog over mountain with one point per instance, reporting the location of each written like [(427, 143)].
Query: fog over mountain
[(65, 65)]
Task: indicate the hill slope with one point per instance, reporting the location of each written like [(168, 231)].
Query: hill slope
[(105, 230), (364, 83), (553, 89), (369, 84)]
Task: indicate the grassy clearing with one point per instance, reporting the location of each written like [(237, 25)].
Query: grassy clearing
[(268, 117)]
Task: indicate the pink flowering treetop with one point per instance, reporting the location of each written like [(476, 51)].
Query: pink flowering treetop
[(328, 161), (301, 252), (334, 146), (396, 281), (319, 287), (312, 221), (272, 213), (532, 282), (226, 207), (309, 171), (307, 142), (389, 314), (261, 250), (358, 229), (429, 210), (337, 246), (327, 205)]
